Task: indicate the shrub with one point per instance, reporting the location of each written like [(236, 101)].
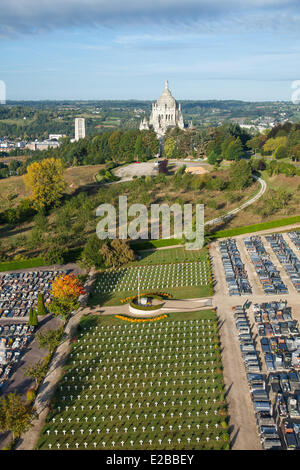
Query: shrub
[(30, 395)]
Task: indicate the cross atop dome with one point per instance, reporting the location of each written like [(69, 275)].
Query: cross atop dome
[(166, 84)]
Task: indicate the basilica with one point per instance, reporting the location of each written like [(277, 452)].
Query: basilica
[(165, 113)]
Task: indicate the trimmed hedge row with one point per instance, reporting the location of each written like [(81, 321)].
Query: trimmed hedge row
[(28, 263)]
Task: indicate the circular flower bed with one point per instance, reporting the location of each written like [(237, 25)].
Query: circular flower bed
[(154, 295)]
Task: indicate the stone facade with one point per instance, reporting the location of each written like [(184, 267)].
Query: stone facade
[(165, 113)]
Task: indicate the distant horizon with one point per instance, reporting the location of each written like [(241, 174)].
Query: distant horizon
[(141, 100)]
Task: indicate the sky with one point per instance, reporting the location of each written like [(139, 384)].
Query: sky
[(126, 49)]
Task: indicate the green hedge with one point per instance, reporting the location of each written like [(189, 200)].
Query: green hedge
[(15, 265), (255, 228)]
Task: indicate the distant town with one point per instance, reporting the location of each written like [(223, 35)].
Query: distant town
[(18, 119)]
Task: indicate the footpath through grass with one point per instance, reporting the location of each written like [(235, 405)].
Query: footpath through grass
[(150, 386)]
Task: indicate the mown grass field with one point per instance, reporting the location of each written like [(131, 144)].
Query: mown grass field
[(152, 385), (172, 255)]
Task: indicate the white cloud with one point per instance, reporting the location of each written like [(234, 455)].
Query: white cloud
[(34, 16)]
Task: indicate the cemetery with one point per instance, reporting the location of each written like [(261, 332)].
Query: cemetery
[(267, 273), (144, 385), (19, 291), (15, 339), (182, 280)]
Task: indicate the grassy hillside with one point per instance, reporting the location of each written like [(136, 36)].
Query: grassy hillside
[(282, 199), (13, 189)]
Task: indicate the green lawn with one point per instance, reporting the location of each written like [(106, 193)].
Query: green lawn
[(149, 386), (15, 265), (171, 255)]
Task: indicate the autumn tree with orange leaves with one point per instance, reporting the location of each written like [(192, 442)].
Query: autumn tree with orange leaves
[(65, 291)]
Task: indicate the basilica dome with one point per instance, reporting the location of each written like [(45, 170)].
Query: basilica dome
[(166, 98), (165, 113)]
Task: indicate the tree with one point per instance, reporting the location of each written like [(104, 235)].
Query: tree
[(66, 287), (281, 152), (41, 221), (273, 143), (65, 291), (33, 319), (91, 255), (234, 150), (229, 140), (139, 149), (15, 414), (2, 252), (213, 158), (54, 252), (50, 339), (255, 143), (257, 164), (294, 152), (117, 253), (45, 180), (170, 147), (240, 174), (114, 143), (41, 309), (36, 371), (163, 167)]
